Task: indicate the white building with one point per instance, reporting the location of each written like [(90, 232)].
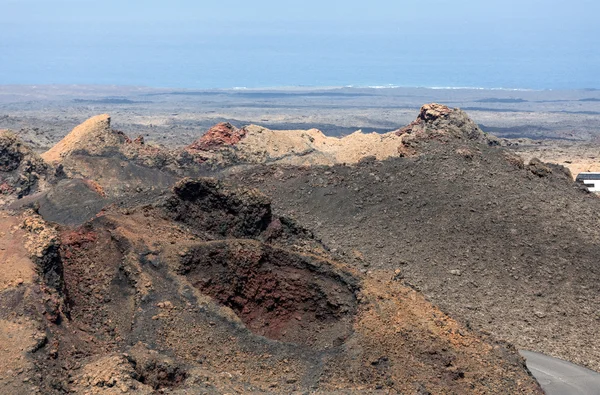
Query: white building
[(590, 180)]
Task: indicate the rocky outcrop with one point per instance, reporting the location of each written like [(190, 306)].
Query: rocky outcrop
[(21, 170), (542, 169), (224, 146), (222, 134), (437, 121), (108, 160), (94, 136), (31, 300)]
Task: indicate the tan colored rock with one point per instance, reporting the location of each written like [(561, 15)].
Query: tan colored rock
[(109, 375), (256, 144), (225, 145), (17, 340), (93, 136), (16, 267), (40, 235)]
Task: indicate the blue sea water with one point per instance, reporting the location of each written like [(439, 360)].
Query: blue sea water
[(223, 59)]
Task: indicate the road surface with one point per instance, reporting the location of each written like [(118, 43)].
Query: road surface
[(558, 377)]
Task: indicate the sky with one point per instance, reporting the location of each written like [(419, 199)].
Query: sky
[(82, 34), (438, 16)]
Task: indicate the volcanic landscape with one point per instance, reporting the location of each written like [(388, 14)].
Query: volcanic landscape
[(254, 260)]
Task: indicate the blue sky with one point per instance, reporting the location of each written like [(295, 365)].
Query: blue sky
[(528, 23), (75, 31), (546, 14)]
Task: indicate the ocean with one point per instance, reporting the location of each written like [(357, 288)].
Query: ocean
[(227, 60)]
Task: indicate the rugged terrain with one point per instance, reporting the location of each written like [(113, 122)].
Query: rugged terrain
[(145, 306), (578, 157), (555, 126), (506, 247), (42, 115), (303, 263), (224, 145)]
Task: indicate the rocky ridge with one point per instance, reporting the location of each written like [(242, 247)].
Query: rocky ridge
[(255, 144)]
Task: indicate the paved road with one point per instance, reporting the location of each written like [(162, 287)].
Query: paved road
[(558, 377)]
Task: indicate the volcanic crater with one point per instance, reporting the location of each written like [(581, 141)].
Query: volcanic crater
[(278, 294)]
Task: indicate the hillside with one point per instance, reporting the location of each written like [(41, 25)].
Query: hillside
[(206, 291), (505, 247), (125, 276)]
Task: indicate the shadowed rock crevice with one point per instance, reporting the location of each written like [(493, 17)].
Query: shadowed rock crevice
[(205, 203)]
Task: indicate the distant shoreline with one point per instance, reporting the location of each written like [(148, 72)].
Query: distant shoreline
[(292, 88)]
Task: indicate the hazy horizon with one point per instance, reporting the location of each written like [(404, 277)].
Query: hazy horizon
[(528, 45)]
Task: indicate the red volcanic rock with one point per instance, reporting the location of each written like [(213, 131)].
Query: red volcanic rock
[(94, 186), (77, 238), (6, 189), (74, 242), (219, 135), (139, 140)]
